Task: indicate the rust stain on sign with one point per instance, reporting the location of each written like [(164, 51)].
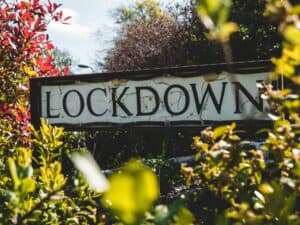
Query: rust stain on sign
[(119, 82)]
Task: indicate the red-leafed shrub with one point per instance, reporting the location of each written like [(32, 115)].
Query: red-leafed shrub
[(25, 52)]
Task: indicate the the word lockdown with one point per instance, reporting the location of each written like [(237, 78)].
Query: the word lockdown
[(160, 99)]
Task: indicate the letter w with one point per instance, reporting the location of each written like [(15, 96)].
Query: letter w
[(209, 92)]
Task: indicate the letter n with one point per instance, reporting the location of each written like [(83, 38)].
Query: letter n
[(240, 88)]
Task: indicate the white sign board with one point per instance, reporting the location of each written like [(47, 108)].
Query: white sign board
[(163, 99)]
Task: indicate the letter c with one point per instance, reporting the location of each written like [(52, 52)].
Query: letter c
[(89, 104)]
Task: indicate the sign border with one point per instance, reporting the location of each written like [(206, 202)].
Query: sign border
[(146, 74)]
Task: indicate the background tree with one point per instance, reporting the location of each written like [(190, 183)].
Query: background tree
[(62, 60), (140, 11), (175, 36), (147, 44)]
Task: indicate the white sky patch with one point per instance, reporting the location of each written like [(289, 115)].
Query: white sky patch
[(71, 29), (70, 12), (74, 28)]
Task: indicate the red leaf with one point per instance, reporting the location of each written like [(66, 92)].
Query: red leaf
[(35, 2), (49, 46), (66, 70), (67, 18), (5, 42)]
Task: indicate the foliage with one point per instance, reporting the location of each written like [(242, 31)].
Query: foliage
[(258, 186), (141, 11), (152, 42), (132, 201), (175, 36), (25, 53), (131, 194), (35, 189), (33, 178), (214, 16), (257, 33), (62, 60)]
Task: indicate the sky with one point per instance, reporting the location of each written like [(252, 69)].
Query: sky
[(91, 29)]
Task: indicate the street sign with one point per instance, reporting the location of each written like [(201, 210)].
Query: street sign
[(181, 96)]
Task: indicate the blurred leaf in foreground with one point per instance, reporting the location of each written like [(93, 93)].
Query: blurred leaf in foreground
[(214, 16), (132, 192), (90, 170)]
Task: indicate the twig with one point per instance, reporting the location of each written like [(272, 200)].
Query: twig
[(37, 206)]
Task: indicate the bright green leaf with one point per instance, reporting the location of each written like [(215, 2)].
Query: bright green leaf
[(226, 30), (214, 16), (27, 185), (13, 173), (132, 192), (266, 188), (292, 35), (220, 131)]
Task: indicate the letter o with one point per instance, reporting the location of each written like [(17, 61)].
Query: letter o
[(65, 103), (187, 99)]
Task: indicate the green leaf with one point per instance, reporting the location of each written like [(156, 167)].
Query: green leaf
[(297, 169), (132, 192), (198, 156), (184, 217), (292, 35), (266, 188), (13, 173), (258, 176), (226, 30), (27, 186), (220, 131), (295, 9), (25, 172), (214, 16)]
